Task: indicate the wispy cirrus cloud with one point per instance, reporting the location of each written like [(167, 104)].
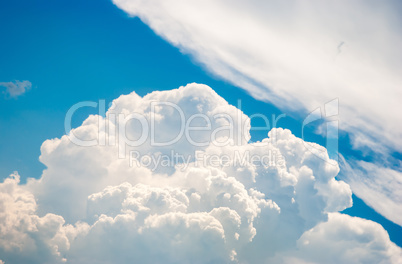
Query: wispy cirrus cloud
[(16, 88), (378, 185)]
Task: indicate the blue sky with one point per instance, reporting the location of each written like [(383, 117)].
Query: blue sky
[(74, 51)]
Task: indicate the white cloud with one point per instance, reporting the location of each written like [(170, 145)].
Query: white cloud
[(90, 206), (289, 53), (24, 236), (343, 239), (298, 55), (16, 88)]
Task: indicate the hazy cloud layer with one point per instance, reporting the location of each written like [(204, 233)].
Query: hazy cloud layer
[(16, 88), (90, 206)]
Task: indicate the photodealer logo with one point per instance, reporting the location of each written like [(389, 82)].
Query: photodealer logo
[(164, 124), (270, 158), (331, 110)]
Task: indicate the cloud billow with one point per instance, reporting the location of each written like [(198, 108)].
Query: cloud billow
[(92, 206)]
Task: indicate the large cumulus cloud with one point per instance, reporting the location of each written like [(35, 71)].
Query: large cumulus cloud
[(299, 55), (95, 205)]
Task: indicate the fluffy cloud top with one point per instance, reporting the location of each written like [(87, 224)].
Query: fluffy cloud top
[(16, 88), (93, 205)]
